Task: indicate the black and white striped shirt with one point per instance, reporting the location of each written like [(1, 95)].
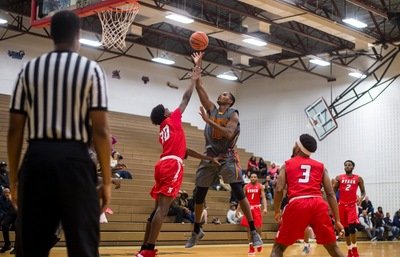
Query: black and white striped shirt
[(56, 91)]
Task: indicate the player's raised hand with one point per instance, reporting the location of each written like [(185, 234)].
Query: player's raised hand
[(197, 58), (204, 114), (196, 73)]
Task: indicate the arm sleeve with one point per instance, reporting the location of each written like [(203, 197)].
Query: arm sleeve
[(18, 103), (98, 96)]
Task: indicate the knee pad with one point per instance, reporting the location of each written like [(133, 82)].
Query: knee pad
[(346, 232), (238, 191), (151, 216), (200, 195), (352, 228)]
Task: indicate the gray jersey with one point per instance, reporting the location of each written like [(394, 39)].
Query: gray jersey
[(216, 144)]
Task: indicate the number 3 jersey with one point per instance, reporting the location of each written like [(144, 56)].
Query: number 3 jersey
[(172, 136), (304, 177)]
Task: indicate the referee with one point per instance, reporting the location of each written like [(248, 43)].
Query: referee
[(62, 97)]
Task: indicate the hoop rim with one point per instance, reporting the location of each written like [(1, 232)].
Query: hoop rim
[(84, 11)]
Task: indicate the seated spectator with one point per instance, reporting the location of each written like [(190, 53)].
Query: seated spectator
[(377, 221), (366, 204), (4, 181), (262, 166), (396, 219), (365, 221), (273, 171), (393, 231), (252, 165), (180, 208), (268, 189), (119, 169), (233, 216), (9, 215)]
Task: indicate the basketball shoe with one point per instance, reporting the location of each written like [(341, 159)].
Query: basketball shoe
[(350, 253), (355, 252), (194, 239), (147, 253), (251, 251), (255, 237), (306, 248)]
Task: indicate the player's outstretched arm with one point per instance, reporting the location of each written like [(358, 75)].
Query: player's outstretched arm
[(200, 156), (195, 77), (331, 197), (204, 99), (278, 194)]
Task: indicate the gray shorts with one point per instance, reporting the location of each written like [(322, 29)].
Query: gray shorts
[(207, 173)]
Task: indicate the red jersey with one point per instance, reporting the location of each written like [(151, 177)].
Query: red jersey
[(348, 186), (253, 193), (303, 177), (172, 136)]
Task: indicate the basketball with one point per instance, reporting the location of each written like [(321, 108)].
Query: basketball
[(198, 40)]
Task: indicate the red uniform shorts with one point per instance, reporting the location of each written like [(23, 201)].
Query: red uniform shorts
[(168, 176), (348, 214), (299, 214), (257, 217)]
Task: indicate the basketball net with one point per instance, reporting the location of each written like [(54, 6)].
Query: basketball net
[(116, 23)]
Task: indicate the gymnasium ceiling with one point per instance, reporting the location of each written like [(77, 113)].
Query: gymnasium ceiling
[(295, 30)]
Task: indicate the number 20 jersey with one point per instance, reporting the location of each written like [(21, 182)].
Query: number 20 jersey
[(172, 137), (304, 177)]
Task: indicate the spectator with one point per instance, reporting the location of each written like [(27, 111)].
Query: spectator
[(366, 204), (262, 166), (252, 165), (365, 221), (378, 223), (273, 171), (180, 208), (4, 181), (390, 227), (396, 219), (9, 215), (119, 169), (268, 189), (233, 216)]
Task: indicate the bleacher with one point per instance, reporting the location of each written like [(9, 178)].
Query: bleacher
[(138, 143)]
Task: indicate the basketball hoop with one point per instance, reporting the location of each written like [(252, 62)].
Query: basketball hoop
[(115, 22)]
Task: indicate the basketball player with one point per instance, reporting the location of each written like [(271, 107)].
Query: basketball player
[(303, 177), (221, 133), (255, 194), (347, 185), (168, 172)]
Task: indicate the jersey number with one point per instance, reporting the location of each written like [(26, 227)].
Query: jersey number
[(348, 187), (164, 134), (306, 174)]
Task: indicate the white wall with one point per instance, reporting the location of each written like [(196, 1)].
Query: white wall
[(272, 117), (129, 94)]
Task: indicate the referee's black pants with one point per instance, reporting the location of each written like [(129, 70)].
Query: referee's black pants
[(57, 182)]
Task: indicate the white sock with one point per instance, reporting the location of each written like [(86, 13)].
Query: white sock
[(349, 247), (354, 245)]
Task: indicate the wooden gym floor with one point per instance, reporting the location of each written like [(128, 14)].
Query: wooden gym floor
[(366, 249)]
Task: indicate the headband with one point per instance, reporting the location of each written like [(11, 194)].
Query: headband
[(302, 148)]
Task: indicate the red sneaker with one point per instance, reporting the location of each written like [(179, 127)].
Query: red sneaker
[(355, 252), (350, 253), (147, 253), (251, 251), (259, 249)]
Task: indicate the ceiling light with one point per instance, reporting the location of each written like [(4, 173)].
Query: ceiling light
[(254, 41), (179, 18), (90, 42), (3, 21), (163, 60), (355, 23), (227, 75), (320, 62), (357, 74)]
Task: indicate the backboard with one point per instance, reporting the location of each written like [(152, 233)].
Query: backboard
[(42, 10), (320, 118)]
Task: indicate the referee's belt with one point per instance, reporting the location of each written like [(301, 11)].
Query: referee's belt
[(173, 157)]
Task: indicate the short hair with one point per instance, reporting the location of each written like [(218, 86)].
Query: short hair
[(232, 98), (65, 26), (253, 173), (157, 115), (350, 162), (309, 142)]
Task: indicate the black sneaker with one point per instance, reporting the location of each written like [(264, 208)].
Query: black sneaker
[(13, 251), (5, 248)]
